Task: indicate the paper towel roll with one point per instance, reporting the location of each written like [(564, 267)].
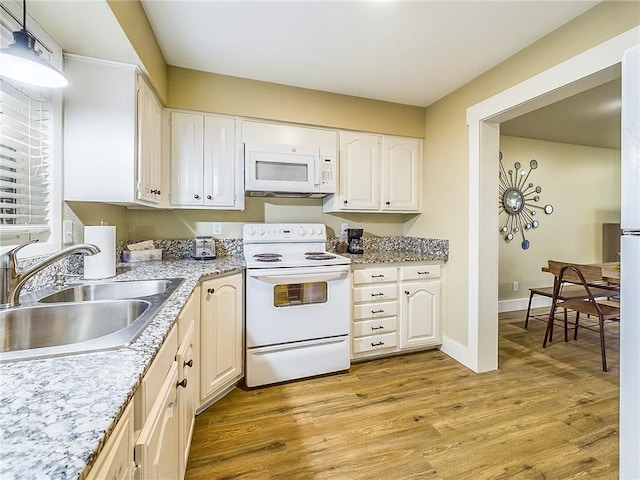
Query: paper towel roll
[(102, 265)]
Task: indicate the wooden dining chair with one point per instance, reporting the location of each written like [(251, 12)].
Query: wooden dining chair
[(567, 292), (584, 276)]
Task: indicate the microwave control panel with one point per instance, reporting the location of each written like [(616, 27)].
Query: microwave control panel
[(327, 174)]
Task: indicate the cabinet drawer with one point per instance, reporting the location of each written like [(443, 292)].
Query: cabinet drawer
[(374, 342), (419, 272), (374, 293), (375, 275), (375, 326), (375, 310), (157, 373)]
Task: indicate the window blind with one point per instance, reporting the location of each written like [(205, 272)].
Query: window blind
[(25, 141)]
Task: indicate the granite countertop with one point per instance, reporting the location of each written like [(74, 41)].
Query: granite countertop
[(56, 413)]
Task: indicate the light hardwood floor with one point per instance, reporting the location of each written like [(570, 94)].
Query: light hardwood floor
[(545, 414)]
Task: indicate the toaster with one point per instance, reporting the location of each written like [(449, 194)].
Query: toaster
[(204, 248)]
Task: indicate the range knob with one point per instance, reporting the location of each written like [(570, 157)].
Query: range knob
[(320, 231), (310, 231), (302, 231), (252, 231), (261, 231)]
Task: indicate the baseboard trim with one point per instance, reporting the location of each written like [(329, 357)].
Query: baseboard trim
[(522, 303), (459, 353)]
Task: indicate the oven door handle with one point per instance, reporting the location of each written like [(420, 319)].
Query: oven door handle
[(302, 277)]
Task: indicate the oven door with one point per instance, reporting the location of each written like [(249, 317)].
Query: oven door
[(294, 304), (281, 168)]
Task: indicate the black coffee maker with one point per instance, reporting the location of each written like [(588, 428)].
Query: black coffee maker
[(354, 239)]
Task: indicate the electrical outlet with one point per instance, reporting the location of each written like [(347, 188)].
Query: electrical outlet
[(67, 229), (343, 228), (216, 228), (514, 286)]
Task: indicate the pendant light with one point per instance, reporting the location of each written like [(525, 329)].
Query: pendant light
[(21, 62)]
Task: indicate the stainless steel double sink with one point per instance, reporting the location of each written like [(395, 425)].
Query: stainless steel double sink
[(81, 318)]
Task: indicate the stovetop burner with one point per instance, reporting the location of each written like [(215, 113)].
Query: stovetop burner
[(268, 257), (319, 256)]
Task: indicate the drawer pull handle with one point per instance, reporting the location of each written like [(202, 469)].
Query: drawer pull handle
[(377, 294), (377, 328), (188, 364), (423, 273), (377, 276), (377, 344), (377, 311), (196, 196), (183, 383)]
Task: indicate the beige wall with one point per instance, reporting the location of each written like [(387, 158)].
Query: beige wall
[(148, 224), (446, 143), (136, 26), (583, 185), (195, 90)]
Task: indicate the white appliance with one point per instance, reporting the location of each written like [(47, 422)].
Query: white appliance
[(630, 268), (288, 160), (297, 304), (288, 170)]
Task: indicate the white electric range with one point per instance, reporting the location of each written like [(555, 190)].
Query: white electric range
[(297, 303)]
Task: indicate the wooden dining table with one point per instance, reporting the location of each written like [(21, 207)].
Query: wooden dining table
[(610, 273)]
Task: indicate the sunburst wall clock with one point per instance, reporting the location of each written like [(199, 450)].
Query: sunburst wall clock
[(517, 202)]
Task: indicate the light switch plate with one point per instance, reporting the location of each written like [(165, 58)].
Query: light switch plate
[(67, 229), (217, 228), (343, 228)]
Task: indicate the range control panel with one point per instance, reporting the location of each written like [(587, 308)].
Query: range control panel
[(283, 232)]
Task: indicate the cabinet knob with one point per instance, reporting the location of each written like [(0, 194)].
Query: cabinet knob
[(183, 383), (406, 292), (209, 197), (387, 203), (211, 290), (196, 196), (188, 364), (345, 201)]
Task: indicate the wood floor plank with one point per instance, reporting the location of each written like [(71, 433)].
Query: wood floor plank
[(545, 414)]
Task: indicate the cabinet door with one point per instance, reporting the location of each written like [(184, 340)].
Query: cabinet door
[(156, 450), (400, 174), (186, 159), (219, 161), (221, 335), (420, 315), (115, 461), (187, 392), (149, 144), (359, 171)]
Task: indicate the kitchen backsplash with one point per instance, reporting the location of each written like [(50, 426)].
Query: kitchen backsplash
[(181, 250)]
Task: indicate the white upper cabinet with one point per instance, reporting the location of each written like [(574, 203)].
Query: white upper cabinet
[(206, 165), (112, 134), (401, 174), (378, 173), (359, 171)]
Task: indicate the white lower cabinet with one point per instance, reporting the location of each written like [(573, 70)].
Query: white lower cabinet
[(115, 462), (395, 308), (156, 449), (221, 336), (188, 375), (375, 311)]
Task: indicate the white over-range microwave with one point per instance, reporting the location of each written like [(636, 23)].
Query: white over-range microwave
[(289, 171)]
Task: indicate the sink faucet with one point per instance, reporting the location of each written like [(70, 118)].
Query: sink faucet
[(12, 280)]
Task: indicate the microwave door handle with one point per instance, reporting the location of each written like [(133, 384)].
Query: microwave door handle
[(316, 167)]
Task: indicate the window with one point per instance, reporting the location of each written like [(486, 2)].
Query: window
[(30, 151), (24, 159)]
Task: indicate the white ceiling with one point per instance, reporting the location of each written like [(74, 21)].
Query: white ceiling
[(408, 52)]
